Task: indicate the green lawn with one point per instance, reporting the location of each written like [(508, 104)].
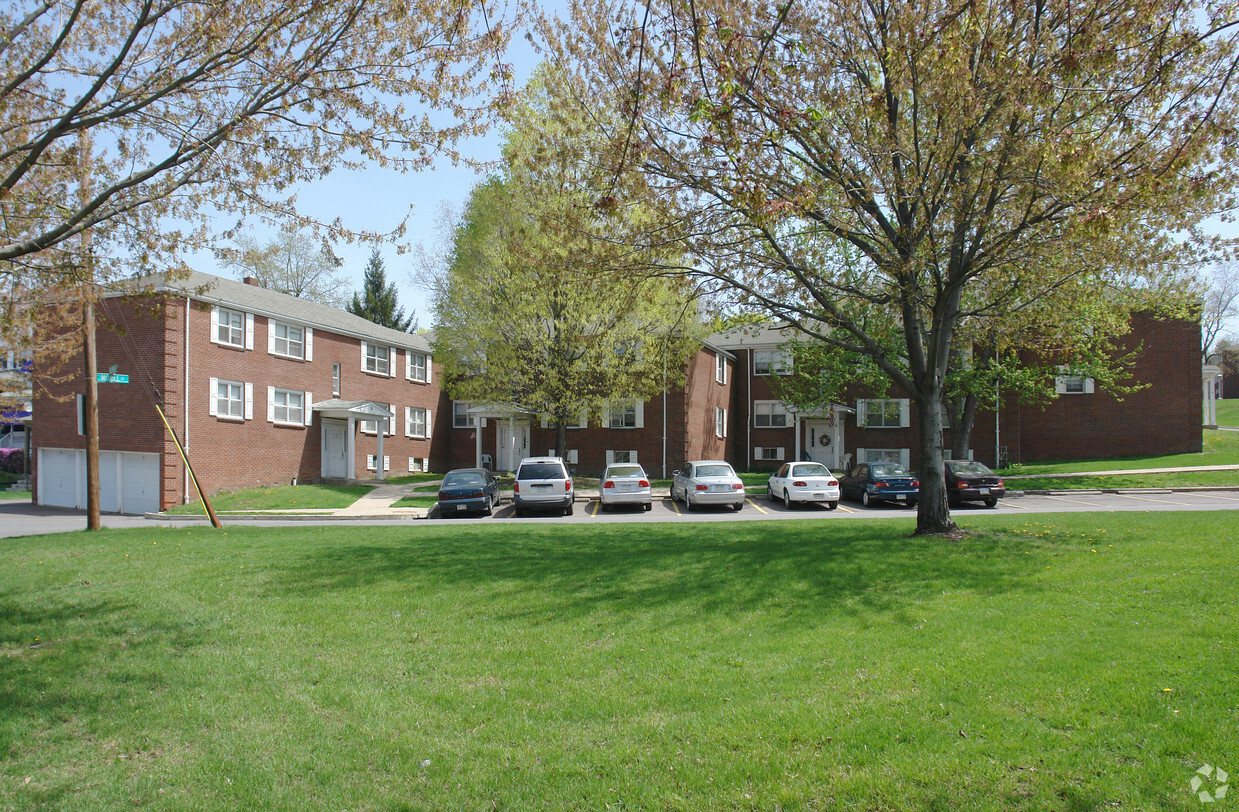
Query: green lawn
[(1220, 448), (417, 501), (1074, 662), (280, 497), (1228, 412)]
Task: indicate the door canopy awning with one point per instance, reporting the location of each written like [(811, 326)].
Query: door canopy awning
[(359, 409)]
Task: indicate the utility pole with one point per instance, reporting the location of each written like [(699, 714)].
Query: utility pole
[(90, 421)]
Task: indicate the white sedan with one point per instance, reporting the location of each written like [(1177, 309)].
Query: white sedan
[(804, 482), (624, 484), (707, 482)]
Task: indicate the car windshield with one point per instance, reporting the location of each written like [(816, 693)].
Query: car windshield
[(714, 470), (540, 470), (624, 470), (888, 469), (969, 468), (470, 478), (810, 469)]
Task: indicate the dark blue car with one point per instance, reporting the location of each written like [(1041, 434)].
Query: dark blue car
[(468, 490), (880, 482)]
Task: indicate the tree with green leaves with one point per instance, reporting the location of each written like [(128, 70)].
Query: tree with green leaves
[(540, 308), (377, 300), (879, 174)]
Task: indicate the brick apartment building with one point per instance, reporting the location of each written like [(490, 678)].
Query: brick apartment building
[(264, 388)]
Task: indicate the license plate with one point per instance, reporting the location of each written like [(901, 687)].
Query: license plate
[(719, 489), (541, 488), (819, 496), (628, 487), (984, 491), (462, 507), (902, 497)]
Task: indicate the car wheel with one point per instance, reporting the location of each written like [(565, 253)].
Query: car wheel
[(568, 510), (832, 505), (518, 512), (787, 499), (991, 501), (864, 498), (648, 505), (739, 506), (770, 497), (687, 504), (912, 504)]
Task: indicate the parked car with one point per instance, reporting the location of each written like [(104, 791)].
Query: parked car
[(804, 482), (624, 484), (707, 482), (542, 483), (880, 482), (468, 490), (971, 481)]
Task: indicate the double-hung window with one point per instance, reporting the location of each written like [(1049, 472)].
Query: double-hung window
[(376, 358), (623, 414), (286, 406), (882, 414), (288, 340), (770, 414), (772, 362), (461, 419), (1067, 384), (418, 367), (231, 400), (229, 327), (416, 422), (720, 367), (720, 421)]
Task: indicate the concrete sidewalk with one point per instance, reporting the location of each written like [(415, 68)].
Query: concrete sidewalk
[(380, 501)]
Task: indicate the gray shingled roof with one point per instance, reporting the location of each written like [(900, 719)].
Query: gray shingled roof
[(263, 302), (756, 335)]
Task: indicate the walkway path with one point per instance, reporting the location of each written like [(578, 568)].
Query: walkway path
[(379, 501)]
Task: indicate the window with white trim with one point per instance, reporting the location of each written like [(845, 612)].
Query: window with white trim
[(287, 406), (622, 457), (416, 422), (720, 421), (623, 414), (1065, 384), (720, 367), (461, 419), (372, 426), (769, 414), (419, 465), (230, 399), (898, 455), (287, 340), (371, 461), (768, 453), (335, 380), (417, 366), (570, 455), (772, 362), (229, 327), (883, 414), (376, 358)]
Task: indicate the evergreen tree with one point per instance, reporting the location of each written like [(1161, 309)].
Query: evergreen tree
[(377, 300)]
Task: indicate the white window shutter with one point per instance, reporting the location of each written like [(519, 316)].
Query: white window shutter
[(632, 456), (782, 453), (572, 456), (369, 462), (214, 408), (81, 413), (550, 452), (905, 457), (757, 453), (363, 356), (640, 414), (428, 423), (429, 364), (905, 412), (270, 404), (408, 421), (408, 365), (270, 336), (861, 408), (309, 345), (412, 465), (391, 424), (391, 362), (306, 410), (386, 463), (610, 456), (724, 422), (249, 331), (214, 330), (860, 456), (249, 401), (1088, 386), (545, 423), (584, 419), (1060, 385)]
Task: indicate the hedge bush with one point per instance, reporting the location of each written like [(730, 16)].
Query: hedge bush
[(13, 460)]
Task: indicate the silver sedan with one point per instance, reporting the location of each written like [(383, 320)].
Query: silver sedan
[(707, 482), (804, 482), (624, 484)]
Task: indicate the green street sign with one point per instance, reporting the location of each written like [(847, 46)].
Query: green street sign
[(111, 376)]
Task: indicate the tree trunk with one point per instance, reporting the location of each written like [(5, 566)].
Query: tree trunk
[(933, 513), (961, 427), (561, 437)]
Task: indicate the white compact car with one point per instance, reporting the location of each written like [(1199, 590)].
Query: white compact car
[(624, 484), (707, 482), (804, 482)]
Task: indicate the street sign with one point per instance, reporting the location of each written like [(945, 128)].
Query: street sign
[(111, 376)]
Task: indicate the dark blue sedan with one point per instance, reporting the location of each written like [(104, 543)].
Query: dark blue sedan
[(880, 482), (468, 490)]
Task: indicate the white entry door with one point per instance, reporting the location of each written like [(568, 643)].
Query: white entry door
[(513, 443), (335, 449), (822, 442)]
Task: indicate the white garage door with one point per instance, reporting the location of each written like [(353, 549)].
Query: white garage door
[(128, 481), (62, 477)]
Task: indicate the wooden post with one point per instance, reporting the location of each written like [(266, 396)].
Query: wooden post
[(91, 421)]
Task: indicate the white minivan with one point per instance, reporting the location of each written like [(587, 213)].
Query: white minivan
[(542, 483)]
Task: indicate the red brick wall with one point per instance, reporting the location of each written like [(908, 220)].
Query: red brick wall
[(702, 395)]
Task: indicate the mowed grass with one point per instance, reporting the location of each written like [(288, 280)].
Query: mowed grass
[(1073, 662), (279, 497), (1219, 448), (1228, 412)]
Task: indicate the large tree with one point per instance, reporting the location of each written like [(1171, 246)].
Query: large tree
[(293, 263), (978, 157), (541, 307), (377, 300), (1221, 305)]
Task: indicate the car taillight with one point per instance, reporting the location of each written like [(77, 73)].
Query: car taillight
[(916, 483), (999, 485), (516, 487), (881, 484), (962, 483), (442, 496), (703, 487), (799, 484), (567, 484), (737, 486), (608, 484), (831, 483), (645, 483)]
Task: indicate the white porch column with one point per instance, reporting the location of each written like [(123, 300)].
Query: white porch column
[(477, 444), (381, 425), (796, 427), (352, 448), (1209, 374)]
